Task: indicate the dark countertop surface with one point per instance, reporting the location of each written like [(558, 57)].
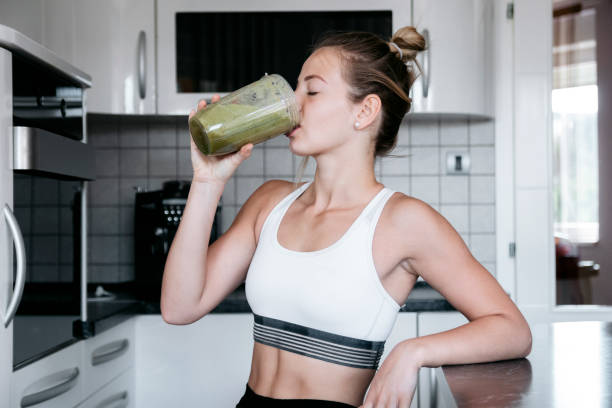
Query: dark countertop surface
[(570, 365), (105, 312)]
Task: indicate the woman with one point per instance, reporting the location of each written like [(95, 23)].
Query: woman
[(328, 263)]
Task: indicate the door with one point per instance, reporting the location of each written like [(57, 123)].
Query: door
[(6, 250), (582, 191)]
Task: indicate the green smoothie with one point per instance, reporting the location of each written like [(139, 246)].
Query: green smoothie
[(252, 114)]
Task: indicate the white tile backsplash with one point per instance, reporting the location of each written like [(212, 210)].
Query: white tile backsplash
[(454, 132), (483, 159), (162, 162), (457, 215), (245, 187), (163, 134), (397, 183), (454, 189), (253, 165), (424, 133), (278, 162), (482, 218), (147, 151), (426, 188), (425, 161), (482, 132), (395, 166), (483, 247), (482, 189)]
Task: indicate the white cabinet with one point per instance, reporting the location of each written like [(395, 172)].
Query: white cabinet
[(57, 380), (115, 45), (119, 393), (206, 363), (454, 79), (430, 323), (107, 355), (405, 328)]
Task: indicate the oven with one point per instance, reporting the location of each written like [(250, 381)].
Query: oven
[(45, 211)]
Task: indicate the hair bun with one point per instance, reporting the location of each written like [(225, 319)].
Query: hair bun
[(409, 41)]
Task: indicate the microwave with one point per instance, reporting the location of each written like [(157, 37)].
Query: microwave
[(205, 48)]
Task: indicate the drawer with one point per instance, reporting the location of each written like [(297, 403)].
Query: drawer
[(107, 355), (119, 393), (54, 381)]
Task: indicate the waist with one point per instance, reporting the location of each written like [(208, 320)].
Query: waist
[(278, 373)]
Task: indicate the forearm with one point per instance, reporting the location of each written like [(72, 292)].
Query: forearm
[(489, 338), (184, 272)]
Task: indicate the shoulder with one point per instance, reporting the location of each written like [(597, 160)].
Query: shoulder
[(414, 220), (403, 209), (264, 198)]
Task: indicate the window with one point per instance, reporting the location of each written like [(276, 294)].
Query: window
[(574, 108)]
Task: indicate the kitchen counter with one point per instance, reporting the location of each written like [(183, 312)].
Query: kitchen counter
[(570, 365), (104, 313)]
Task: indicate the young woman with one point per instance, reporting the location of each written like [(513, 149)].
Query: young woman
[(328, 263)]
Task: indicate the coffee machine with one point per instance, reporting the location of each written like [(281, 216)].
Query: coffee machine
[(156, 218)]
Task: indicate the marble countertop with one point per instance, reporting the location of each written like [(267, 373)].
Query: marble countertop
[(570, 365)]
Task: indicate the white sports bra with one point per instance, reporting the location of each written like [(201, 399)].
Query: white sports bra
[(328, 304)]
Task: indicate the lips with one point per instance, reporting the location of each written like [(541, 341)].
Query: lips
[(293, 131)]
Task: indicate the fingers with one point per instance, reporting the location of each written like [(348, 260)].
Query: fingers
[(215, 98), (201, 104)]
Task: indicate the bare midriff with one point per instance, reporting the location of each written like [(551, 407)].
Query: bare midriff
[(277, 373)]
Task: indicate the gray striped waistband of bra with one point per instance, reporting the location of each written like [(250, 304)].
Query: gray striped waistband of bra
[(318, 344)]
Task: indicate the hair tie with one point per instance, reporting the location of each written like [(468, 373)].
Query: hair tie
[(398, 48)]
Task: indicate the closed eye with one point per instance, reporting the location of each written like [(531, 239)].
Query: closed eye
[(312, 93)]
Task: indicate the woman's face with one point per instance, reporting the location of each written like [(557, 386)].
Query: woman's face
[(327, 115)]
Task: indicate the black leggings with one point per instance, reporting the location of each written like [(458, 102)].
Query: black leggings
[(250, 399)]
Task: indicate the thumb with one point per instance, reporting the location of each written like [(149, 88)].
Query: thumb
[(244, 153)]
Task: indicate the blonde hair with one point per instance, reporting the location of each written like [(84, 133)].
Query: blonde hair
[(371, 65)]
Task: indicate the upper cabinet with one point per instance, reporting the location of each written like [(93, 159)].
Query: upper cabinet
[(454, 74), (162, 56), (114, 42)]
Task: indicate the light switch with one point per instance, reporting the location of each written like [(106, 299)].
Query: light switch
[(457, 163)]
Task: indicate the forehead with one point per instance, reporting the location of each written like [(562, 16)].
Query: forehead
[(324, 62)]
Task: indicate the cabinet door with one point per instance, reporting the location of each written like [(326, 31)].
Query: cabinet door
[(107, 355), (206, 363), (54, 381), (115, 45), (119, 393), (405, 328), (453, 79), (430, 323)]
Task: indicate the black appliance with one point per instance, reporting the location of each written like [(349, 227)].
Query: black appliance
[(157, 215)]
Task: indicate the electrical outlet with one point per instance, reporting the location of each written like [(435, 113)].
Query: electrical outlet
[(457, 163)]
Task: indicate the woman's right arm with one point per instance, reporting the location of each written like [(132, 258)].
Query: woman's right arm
[(187, 266)]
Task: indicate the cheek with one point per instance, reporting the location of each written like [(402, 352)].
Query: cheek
[(327, 114)]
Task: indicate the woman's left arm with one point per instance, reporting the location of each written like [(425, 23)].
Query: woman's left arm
[(496, 330)]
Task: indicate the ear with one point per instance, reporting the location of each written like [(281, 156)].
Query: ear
[(367, 111)]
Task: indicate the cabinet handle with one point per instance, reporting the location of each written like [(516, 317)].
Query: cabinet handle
[(119, 400), (21, 265), (426, 64), (142, 64), (60, 383), (109, 352), (433, 388)]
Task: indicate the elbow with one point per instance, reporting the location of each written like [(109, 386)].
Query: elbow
[(527, 341), (175, 316)]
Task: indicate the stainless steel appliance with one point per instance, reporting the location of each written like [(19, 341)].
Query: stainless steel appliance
[(46, 163)]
